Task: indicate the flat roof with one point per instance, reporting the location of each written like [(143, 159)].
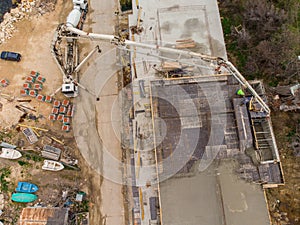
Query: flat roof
[(43, 216)]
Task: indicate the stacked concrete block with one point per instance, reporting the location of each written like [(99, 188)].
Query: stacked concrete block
[(40, 97), (38, 87), (4, 82), (26, 86), (56, 103), (33, 93), (24, 92), (40, 79), (52, 117), (48, 99)]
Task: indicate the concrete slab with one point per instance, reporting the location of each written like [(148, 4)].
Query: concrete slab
[(244, 203), (191, 200), (214, 196)]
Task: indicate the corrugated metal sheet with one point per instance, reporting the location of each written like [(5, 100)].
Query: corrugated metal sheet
[(43, 216)]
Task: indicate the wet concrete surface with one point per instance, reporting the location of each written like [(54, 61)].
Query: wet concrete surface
[(215, 196)]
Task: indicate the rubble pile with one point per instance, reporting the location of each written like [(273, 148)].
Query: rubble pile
[(7, 27), (24, 9), (286, 98), (45, 6)]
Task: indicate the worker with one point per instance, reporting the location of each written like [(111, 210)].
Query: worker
[(240, 92)]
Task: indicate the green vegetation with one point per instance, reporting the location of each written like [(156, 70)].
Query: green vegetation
[(262, 38), (36, 158), (23, 163), (126, 5), (84, 207), (5, 135), (5, 172)]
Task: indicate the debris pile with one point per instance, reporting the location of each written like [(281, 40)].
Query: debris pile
[(286, 98), (7, 27), (24, 9), (45, 6)]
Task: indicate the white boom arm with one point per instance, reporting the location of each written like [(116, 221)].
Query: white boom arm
[(87, 58), (228, 65)]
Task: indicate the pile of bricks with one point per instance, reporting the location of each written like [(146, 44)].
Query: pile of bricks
[(4, 82), (63, 112), (33, 84)]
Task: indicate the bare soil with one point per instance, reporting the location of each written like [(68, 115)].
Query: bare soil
[(32, 39), (284, 204)]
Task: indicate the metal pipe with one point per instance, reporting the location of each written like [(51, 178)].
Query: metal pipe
[(245, 83), (228, 65), (97, 48), (117, 40)]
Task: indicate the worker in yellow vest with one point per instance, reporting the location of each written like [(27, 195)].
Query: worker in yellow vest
[(240, 92)]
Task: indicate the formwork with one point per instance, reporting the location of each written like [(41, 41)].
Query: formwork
[(206, 148), (200, 123)]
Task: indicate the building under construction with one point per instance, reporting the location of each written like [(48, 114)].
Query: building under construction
[(200, 153)]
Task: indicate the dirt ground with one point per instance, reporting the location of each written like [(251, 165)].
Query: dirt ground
[(32, 39), (284, 203)]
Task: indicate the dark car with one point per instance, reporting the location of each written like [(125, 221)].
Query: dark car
[(12, 56)]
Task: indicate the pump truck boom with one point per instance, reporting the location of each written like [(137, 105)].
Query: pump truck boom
[(70, 30)]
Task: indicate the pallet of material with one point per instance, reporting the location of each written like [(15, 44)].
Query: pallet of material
[(170, 65), (186, 43), (30, 135), (51, 152)]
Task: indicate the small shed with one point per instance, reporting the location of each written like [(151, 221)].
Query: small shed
[(30, 80), (4, 82), (40, 79), (70, 111), (65, 128), (62, 110), (44, 216), (38, 87), (33, 93), (67, 120)]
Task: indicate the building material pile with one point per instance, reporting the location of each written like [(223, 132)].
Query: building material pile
[(51, 152), (23, 10), (7, 26), (287, 98), (4, 82), (186, 43), (63, 112), (30, 135), (33, 84)]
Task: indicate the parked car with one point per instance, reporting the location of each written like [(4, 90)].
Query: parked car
[(12, 56)]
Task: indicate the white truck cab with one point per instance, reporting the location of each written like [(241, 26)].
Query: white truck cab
[(81, 3)]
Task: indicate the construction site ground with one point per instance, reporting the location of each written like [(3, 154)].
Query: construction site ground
[(32, 38), (283, 202)]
